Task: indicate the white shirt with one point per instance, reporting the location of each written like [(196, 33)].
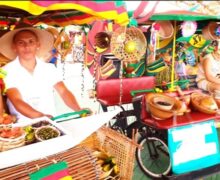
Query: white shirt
[(36, 89)]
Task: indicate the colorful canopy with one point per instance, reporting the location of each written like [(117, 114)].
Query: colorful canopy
[(65, 12), (186, 11), (143, 11)]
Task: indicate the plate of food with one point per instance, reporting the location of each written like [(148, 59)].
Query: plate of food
[(7, 120), (11, 137), (46, 132), (23, 146)]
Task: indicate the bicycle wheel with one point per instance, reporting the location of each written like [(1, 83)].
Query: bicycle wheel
[(154, 157)]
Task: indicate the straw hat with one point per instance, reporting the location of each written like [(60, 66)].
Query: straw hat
[(209, 32), (204, 103), (45, 38), (3, 60), (166, 29)]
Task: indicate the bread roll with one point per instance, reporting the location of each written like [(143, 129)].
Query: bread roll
[(209, 103)]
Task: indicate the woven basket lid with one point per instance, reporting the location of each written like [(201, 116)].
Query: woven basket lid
[(128, 44)]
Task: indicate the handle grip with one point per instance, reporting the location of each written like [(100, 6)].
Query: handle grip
[(72, 115)]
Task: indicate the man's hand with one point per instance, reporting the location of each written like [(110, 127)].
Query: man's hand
[(48, 115), (88, 112)]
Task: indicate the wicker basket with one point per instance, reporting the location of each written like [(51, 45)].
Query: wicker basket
[(117, 145), (6, 143)]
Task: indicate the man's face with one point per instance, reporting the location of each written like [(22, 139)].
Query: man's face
[(25, 45)]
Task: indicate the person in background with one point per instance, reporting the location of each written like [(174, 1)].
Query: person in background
[(208, 77), (30, 81), (2, 88)]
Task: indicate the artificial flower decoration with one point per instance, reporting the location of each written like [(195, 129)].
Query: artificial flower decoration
[(188, 28)]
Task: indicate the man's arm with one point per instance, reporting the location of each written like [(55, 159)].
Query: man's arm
[(67, 96), (21, 106)]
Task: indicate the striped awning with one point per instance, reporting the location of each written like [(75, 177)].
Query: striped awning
[(65, 12)]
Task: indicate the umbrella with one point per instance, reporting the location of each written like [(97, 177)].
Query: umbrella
[(64, 12)]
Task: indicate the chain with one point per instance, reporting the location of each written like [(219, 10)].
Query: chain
[(95, 72), (64, 70), (83, 80), (121, 84)]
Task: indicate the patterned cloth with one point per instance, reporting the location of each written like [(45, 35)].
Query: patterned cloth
[(58, 171)]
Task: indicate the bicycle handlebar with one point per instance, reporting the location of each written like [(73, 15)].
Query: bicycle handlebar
[(134, 92)]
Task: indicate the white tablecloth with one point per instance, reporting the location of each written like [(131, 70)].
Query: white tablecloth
[(81, 128)]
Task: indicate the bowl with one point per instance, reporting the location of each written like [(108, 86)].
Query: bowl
[(204, 103), (46, 132), (163, 102), (11, 138), (160, 113)]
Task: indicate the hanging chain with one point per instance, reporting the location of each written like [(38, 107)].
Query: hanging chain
[(121, 84), (121, 71), (95, 70), (64, 70), (83, 80)]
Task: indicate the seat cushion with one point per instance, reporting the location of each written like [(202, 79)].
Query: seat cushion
[(109, 91)]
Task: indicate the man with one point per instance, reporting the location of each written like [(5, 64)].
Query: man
[(30, 81)]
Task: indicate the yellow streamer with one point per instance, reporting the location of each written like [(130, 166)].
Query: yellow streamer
[(158, 40), (173, 59)]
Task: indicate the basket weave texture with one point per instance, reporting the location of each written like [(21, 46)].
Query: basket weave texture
[(121, 37), (11, 143), (117, 145), (81, 165)]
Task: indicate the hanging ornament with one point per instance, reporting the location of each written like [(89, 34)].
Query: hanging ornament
[(190, 58), (102, 42), (63, 44), (188, 28), (78, 48), (197, 41)]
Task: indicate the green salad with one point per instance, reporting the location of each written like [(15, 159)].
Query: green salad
[(47, 132)]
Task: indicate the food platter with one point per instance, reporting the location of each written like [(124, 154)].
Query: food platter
[(38, 149)]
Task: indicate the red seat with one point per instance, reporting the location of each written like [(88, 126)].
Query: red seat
[(108, 91)]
